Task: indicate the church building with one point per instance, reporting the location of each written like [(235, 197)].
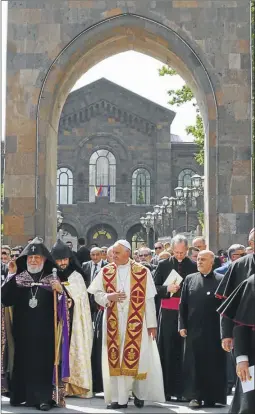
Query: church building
[(117, 158)]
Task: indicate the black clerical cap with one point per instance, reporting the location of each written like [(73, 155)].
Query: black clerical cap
[(35, 247), (61, 251)]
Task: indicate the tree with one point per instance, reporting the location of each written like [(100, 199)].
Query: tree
[(178, 98)]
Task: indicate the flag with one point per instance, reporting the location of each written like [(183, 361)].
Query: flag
[(96, 191), (109, 191), (99, 191)]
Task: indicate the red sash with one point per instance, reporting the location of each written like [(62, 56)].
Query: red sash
[(171, 303)]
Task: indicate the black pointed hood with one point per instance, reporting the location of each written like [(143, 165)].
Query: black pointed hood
[(35, 247), (61, 251)]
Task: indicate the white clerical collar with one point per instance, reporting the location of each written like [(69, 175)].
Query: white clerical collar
[(124, 265)]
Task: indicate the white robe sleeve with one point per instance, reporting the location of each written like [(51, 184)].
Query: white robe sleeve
[(150, 308), (150, 313), (96, 288)]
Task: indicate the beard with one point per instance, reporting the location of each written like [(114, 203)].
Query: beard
[(35, 269)]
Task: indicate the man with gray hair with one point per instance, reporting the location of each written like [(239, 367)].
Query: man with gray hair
[(169, 341), (234, 252), (204, 376)]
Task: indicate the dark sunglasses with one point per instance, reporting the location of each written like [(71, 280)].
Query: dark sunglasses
[(14, 255), (156, 248)]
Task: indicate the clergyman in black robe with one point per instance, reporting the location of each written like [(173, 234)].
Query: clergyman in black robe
[(240, 308), (170, 344), (204, 368), (240, 270), (32, 376)]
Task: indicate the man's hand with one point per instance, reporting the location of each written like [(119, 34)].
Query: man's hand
[(152, 332), (183, 333), (69, 303), (173, 288), (12, 267), (116, 297), (227, 344), (242, 371), (55, 285)]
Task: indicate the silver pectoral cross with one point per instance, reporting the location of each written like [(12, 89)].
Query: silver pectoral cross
[(33, 302)]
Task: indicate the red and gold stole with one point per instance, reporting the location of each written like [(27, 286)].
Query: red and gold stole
[(133, 338)]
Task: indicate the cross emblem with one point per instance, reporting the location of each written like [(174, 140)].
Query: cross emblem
[(33, 249), (138, 296)]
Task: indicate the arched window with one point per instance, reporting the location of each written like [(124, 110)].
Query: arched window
[(141, 186), (64, 186), (102, 175), (184, 178)]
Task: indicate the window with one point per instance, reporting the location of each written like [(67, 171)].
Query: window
[(184, 178), (64, 186), (102, 175), (141, 186)]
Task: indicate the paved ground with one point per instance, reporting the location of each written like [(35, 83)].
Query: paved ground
[(97, 405)]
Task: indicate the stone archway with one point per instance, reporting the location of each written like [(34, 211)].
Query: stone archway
[(163, 39)]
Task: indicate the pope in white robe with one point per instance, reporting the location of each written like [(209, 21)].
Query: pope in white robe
[(147, 382)]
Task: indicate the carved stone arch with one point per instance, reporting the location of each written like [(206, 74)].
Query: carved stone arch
[(173, 43), (120, 141), (98, 218)]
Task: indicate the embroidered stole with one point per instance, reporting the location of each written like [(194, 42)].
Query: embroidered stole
[(133, 338)]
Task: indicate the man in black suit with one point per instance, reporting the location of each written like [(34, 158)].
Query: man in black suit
[(170, 343), (91, 268), (83, 254)]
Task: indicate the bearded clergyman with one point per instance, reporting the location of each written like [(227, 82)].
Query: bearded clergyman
[(80, 379), (130, 359), (29, 290)]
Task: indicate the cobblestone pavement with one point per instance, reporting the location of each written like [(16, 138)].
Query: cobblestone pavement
[(97, 405)]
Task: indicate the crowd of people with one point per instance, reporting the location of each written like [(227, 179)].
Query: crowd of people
[(173, 324)]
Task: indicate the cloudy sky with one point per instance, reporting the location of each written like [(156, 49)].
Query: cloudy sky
[(132, 70)]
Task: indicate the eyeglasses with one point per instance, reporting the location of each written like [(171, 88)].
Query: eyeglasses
[(159, 247), (5, 253), (144, 255), (14, 255), (104, 251)]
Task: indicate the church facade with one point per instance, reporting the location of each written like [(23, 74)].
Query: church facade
[(116, 159)]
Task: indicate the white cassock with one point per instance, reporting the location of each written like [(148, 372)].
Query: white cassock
[(80, 380), (117, 388)]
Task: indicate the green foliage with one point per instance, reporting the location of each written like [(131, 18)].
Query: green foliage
[(201, 219), (179, 97), (197, 131), (165, 70)]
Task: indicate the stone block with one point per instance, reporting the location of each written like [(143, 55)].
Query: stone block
[(242, 167), (234, 61), (112, 12), (26, 143), (29, 225), (227, 223), (240, 185), (244, 223), (245, 61), (243, 46), (13, 225), (20, 164), (17, 186), (185, 3), (242, 110), (10, 144), (20, 206), (240, 204)]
